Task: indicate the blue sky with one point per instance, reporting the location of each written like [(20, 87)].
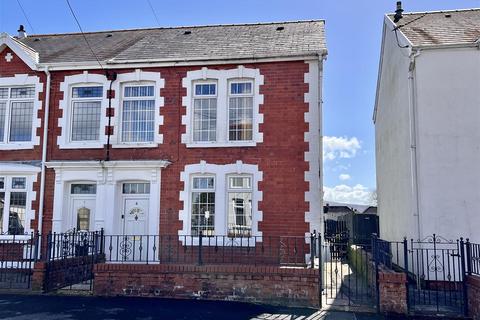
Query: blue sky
[(353, 38)]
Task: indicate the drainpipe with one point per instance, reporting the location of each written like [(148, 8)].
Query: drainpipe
[(44, 151), (413, 139)]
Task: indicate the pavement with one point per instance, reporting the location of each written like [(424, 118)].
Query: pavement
[(55, 307)]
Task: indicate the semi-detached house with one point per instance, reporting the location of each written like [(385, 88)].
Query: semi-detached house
[(165, 131)]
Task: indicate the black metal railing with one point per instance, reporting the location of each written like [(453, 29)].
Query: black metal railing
[(73, 244), (224, 249), (473, 257)]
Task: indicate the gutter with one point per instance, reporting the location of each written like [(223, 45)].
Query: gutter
[(44, 151)]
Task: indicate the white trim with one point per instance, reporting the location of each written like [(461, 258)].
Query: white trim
[(108, 164), (82, 65), (313, 156), (132, 77), (65, 122), (221, 173), (222, 77), (30, 59), (25, 80)]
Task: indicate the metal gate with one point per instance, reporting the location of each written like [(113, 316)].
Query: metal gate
[(71, 258), (18, 254), (348, 274)]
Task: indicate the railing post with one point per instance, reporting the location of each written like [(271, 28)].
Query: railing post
[(375, 260), (468, 248), (320, 270), (49, 246), (405, 262), (312, 250), (102, 241), (200, 243), (464, 274), (36, 242)]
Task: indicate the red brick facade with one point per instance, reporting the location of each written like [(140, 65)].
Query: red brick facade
[(281, 155)]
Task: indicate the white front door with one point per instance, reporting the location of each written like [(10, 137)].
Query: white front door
[(82, 212), (135, 215)]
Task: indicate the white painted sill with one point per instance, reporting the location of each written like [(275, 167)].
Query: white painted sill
[(134, 145), (222, 144), (17, 146)]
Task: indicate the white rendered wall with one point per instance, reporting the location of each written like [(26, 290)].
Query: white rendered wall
[(448, 98), (393, 152)]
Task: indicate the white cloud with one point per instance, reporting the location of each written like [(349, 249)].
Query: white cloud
[(344, 176), (358, 194), (340, 147)]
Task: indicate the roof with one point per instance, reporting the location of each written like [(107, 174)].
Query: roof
[(440, 27), (218, 42)]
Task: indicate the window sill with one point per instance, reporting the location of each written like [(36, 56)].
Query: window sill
[(17, 146), (220, 241), (9, 238), (222, 144), (134, 145), (82, 145)]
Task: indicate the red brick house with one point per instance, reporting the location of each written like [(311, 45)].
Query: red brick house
[(165, 131)]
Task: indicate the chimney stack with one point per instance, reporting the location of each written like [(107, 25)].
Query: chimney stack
[(21, 32)]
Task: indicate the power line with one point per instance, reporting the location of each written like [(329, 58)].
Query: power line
[(83, 34), (25, 15), (154, 13)]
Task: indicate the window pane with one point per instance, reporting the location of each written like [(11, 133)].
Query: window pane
[(3, 110), (203, 213), (21, 121), (24, 92), (19, 183), (2, 206), (205, 89), (205, 119), (83, 219), (16, 217), (83, 188), (87, 92), (240, 114), (139, 91), (241, 88), (203, 183), (86, 120), (3, 93), (239, 213), (138, 121), (240, 182), (136, 188), (2, 183)]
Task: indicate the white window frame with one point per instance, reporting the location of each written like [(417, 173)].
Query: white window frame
[(22, 80), (231, 189), (221, 174), (84, 79), (206, 190), (140, 98), (223, 78), (240, 95), (30, 173), (206, 96), (141, 78)]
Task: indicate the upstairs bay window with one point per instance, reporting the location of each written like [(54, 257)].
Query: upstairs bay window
[(16, 114), (222, 108), (138, 114)]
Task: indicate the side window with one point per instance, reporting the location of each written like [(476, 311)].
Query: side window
[(240, 110), (86, 113), (239, 205), (203, 206), (138, 113), (205, 112)]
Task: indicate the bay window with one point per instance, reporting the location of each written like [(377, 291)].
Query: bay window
[(13, 205)]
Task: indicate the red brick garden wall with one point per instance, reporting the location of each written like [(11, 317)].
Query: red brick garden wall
[(270, 285), (473, 294)]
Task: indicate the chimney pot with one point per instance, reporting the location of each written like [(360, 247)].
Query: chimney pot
[(398, 13), (21, 32)]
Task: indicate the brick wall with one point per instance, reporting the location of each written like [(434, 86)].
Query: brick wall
[(392, 291), (473, 294), (270, 285)]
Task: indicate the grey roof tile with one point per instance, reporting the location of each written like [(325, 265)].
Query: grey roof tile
[(441, 27), (172, 44)]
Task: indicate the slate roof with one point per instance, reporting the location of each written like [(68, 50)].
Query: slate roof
[(261, 40), (441, 27)]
